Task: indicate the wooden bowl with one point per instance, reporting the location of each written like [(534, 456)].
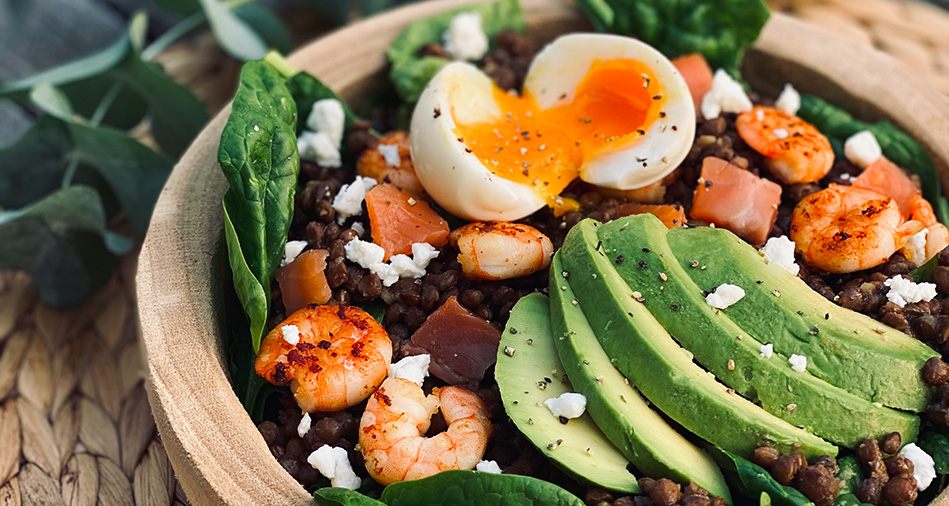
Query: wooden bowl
[(217, 453)]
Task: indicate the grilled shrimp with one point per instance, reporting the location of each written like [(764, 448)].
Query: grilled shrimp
[(795, 151), (390, 161), (937, 236), (500, 250), (333, 357), (392, 431), (845, 229)]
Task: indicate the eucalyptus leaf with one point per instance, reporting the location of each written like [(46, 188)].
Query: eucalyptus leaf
[(411, 72), (184, 7), (267, 24), (51, 100), (232, 33), (451, 488), (59, 242), (128, 108), (33, 166), (334, 496)]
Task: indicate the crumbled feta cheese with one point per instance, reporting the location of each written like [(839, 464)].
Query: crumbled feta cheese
[(781, 133), (780, 251), (915, 248), (327, 116), (405, 267), (465, 39), (488, 466), (291, 334), (726, 95), (386, 273), (798, 362), (862, 148), (318, 147), (333, 462), (348, 202), (423, 253), (903, 291), (789, 100), (767, 350), (291, 251), (924, 468), (391, 154), (568, 405), (413, 368), (724, 296), (358, 228), (364, 253), (304, 426)]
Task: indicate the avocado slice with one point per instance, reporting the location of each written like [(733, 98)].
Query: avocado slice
[(733, 353), (618, 408), (662, 370), (843, 347), (527, 359)]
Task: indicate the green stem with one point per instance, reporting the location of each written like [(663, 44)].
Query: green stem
[(174, 33), (70, 172), (105, 104), (281, 64)]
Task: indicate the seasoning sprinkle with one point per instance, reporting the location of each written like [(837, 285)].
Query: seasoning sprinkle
[(663, 277), (574, 302), (694, 263), (509, 351)]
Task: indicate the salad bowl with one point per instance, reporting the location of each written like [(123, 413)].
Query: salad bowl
[(183, 279)]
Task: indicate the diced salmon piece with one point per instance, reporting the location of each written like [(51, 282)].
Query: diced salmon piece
[(462, 345), (884, 176), (303, 282), (398, 219), (669, 215), (737, 200), (697, 75)]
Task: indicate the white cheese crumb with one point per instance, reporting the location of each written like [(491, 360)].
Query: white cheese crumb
[(293, 249), (391, 154), (767, 350), (304, 426), (364, 253), (327, 116), (724, 296), (903, 291), (915, 248), (780, 251), (789, 100), (370, 256), (423, 253), (291, 334), (465, 39), (413, 368), (781, 133), (405, 267), (333, 462), (358, 228), (862, 148), (488, 466), (318, 147), (726, 95), (798, 362), (568, 405), (348, 202), (924, 469)]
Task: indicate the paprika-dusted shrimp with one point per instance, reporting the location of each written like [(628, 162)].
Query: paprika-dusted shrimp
[(333, 357), (392, 431), (500, 250), (844, 228), (795, 151), (937, 236)]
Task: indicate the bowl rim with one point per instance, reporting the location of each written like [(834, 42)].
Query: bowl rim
[(179, 281)]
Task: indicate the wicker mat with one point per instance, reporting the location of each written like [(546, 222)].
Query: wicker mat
[(75, 426)]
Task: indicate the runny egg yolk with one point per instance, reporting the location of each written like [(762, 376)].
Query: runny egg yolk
[(613, 106)]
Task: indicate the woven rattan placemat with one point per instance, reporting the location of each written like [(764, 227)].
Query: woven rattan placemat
[(75, 425)]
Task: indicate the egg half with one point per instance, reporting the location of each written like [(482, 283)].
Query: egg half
[(608, 109)]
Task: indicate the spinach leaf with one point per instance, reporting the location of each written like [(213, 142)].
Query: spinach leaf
[(849, 474), (837, 124), (258, 154), (334, 496), (451, 488), (720, 30), (63, 243), (847, 499), (936, 444), (924, 272), (306, 91), (411, 72), (751, 480)]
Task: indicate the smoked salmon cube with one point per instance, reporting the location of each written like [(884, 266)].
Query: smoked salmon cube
[(737, 200), (399, 219)]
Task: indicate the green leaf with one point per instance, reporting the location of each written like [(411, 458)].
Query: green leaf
[(266, 24), (936, 444), (751, 480), (720, 30), (451, 488), (837, 124), (847, 500), (51, 100), (924, 272), (59, 242), (258, 154), (127, 109), (252, 294), (33, 166), (409, 82), (334, 496), (849, 474), (185, 7), (306, 91), (234, 35)]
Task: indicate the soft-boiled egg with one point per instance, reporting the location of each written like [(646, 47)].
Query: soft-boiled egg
[(608, 109)]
